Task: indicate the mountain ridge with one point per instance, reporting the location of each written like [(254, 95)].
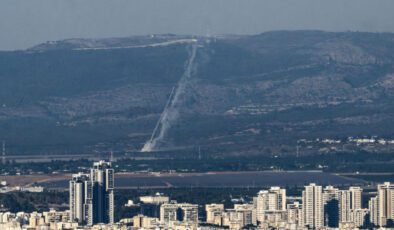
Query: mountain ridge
[(283, 85)]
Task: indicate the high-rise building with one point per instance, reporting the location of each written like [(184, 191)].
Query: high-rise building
[(386, 204), (239, 217), (356, 199), (214, 212), (80, 198), (261, 204), (102, 177), (331, 206), (169, 212), (35, 220), (312, 205), (345, 210), (92, 195), (273, 199), (150, 205), (279, 198), (360, 217), (247, 212), (374, 211), (189, 213), (294, 214), (349, 201), (183, 212), (330, 193)]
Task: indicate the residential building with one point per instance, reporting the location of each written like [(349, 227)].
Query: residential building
[(80, 198), (386, 204), (183, 212), (214, 213), (312, 205), (331, 206), (373, 205), (270, 200), (92, 195), (102, 178), (294, 214)]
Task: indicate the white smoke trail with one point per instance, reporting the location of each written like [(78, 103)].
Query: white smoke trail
[(170, 113)]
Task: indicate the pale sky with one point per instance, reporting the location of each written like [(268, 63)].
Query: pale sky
[(24, 23)]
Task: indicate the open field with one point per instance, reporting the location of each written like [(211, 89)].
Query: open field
[(209, 179), (372, 177), (27, 180)]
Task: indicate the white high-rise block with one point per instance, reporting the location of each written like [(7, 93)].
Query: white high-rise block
[(312, 205)]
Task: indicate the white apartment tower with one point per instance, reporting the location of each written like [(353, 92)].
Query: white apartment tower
[(294, 214), (169, 212), (374, 211), (80, 198), (214, 212), (330, 193), (312, 205), (349, 202), (344, 203), (247, 212), (385, 203), (356, 199), (279, 198), (359, 216), (273, 199)]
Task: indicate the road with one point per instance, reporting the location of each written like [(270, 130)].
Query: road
[(167, 43)]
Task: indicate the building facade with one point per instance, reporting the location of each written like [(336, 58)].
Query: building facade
[(269, 201), (331, 206), (102, 179), (80, 198), (385, 204), (312, 206), (92, 195)]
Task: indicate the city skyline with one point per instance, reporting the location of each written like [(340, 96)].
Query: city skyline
[(196, 114), (270, 208)]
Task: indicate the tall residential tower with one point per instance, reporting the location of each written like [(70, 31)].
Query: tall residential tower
[(80, 198), (312, 206), (92, 195), (102, 177)]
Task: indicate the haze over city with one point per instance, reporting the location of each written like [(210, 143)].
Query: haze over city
[(196, 114)]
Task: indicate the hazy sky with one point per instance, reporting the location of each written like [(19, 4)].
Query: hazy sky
[(24, 23)]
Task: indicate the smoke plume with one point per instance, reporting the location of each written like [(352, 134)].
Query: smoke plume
[(170, 112)]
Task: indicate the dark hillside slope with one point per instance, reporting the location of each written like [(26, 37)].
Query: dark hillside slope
[(248, 95)]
